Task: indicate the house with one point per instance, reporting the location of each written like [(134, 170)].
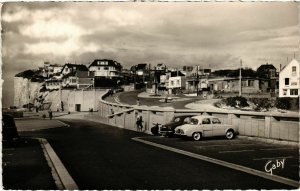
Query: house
[(105, 68), (175, 81), (53, 84), (54, 70), (72, 68), (160, 67), (231, 84), (69, 80), (268, 71), (289, 83), (85, 79), (140, 69)]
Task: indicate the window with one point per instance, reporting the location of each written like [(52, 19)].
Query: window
[(177, 119), (272, 73), (187, 120), (206, 121), (284, 91), (194, 121), (215, 121), (294, 91), (178, 82), (286, 81), (172, 83), (294, 70), (105, 68)]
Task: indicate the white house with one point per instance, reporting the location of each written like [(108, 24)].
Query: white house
[(105, 68), (289, 80), (175, 80)]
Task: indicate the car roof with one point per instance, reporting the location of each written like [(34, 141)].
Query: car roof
[(200, 117)]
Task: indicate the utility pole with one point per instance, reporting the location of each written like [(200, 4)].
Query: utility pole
[(240, 88), (197, 81)]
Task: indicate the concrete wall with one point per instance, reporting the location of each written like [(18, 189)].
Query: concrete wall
[(281, 126)]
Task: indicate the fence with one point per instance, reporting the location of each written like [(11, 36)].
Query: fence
[(265, 125)]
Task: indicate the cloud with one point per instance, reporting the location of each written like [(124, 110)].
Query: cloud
[(214, 35)]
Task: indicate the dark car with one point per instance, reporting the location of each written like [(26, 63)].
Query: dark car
[(9, 129), (168, 129)]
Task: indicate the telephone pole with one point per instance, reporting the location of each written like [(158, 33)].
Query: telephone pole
[(197, 81), (240, 88)]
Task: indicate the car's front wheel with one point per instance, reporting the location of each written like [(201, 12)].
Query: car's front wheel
[(229, 134), (196, 136)]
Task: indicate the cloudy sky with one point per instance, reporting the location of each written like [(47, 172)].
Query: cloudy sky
[(215, 35)]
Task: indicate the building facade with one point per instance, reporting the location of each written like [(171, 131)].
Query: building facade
[(289, 80), (105, 68)]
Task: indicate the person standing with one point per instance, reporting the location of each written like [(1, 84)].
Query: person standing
[(139, 122), (50, 114)]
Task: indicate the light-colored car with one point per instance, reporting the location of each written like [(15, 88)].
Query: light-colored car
[(205, 126)]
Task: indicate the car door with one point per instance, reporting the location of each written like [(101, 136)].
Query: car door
[(206, 127), (217, 127)]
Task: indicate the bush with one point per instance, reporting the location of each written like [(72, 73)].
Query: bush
[(237, 101), (283, 103), (287, 103), (261, 103)]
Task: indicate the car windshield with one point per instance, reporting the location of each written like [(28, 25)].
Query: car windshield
[(194, 121)]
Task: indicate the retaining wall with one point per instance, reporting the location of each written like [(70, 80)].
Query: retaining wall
[(265, 125)]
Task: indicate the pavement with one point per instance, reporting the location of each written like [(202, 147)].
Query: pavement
[(25, 165)]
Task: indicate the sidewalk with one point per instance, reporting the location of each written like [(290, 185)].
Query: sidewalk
[(37, 124), (25, 167)]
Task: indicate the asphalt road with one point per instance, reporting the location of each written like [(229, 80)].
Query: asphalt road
[(104, 157), (131, 97)]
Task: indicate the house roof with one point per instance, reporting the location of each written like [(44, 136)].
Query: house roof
[(109, 63), (176, 73), (286, 66), (266, 67), (78, 67)]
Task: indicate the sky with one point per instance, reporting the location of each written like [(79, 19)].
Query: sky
[(215, 35)]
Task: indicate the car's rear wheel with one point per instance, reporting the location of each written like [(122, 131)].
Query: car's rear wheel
[(230, 134), (196, 136)]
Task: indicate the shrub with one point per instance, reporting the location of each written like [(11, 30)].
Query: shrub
[(283, 103), (261, 103), (237, 101), (287, 103)]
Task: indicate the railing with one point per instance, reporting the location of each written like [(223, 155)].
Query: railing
[(280, 126)]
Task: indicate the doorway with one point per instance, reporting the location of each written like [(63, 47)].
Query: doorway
[(77, 107)]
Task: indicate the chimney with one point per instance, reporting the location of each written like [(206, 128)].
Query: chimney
[(279, 67)]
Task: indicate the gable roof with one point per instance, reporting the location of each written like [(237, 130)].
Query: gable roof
[(293, 61), (80, 67), (109, 63)]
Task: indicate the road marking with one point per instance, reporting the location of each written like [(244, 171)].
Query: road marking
[(240, 151), (223, 163), (273, 158), (224, 145), (65, 178), (274, 149)]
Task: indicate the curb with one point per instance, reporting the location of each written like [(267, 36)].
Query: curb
[(273, 141), (59, 172)]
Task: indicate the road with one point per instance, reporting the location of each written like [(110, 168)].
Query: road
[(99, 156), (131, 97)]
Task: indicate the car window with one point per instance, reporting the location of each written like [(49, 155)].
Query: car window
[(187, 120), (194, 121), (177, 119), (206, 121), (215, 121)]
